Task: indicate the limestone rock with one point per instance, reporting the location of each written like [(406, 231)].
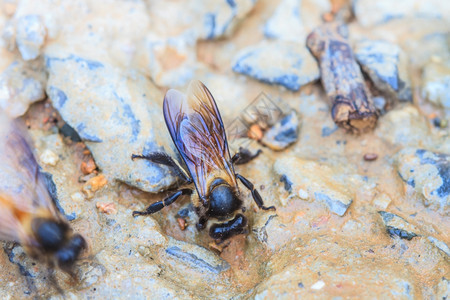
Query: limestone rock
[(397, 226), (428, 173), (369, 13), (386, 65), (116, 114), (436, 83), (284, 63), (20, 85), (316, 179)]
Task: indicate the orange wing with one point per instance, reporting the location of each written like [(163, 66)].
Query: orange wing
[(197, 130), (23, 193)]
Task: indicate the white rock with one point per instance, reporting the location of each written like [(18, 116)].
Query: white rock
[(77, 197), (285, 63), (325, 184), (303, 194), (294, 19), (382, 201), (369, 12), (436, 81), (386, 65), (286, 22), (49, 157), (85, 91), (318, 285), (20, 85), (440, 245), (172, 61), (30, 37)]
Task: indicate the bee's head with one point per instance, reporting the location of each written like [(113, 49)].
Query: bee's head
[(50, 234), (223, 201), (68, 254), (55, 237)]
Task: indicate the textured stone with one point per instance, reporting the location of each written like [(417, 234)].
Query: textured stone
[(440, 244), (195, 257), (404, 126), (172, 61), (286, 22), (284, 63), (20, 85), (220, 18), (30, 36), (207, 20), (303, 278), (283, 133), (286, 252), (386, 65), (369, 13), (436, 83), (315, 178), (116, 113), (293, 20), (397, 226), (428, 173)]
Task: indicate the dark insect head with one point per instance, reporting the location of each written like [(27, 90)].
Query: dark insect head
[(67, 255), (50, 234), (53, 237), (223, 202)]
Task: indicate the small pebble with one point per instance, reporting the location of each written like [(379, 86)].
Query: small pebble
[(181, 223), (436, 59), (93, 185), (48, 157), (218, 247), (106, 208), (382, 201), (441, 123), (255, 132), (318, 285), (370, 156), (303, 194), (88, 167), (77, 197), (328, 17)]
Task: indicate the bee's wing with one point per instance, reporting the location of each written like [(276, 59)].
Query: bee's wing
[(21, 184), (11, 228), (197, 130)]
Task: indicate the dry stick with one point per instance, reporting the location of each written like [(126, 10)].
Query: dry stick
[(352, 105)]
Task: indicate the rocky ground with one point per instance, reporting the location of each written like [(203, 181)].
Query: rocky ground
[(357, 215)]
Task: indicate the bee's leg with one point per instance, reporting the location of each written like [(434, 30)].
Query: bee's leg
[(52, 279), (201, 223), (255, 194), (243, 156), (157, 206), (164, 159)]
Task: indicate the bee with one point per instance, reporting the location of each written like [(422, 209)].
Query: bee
[(28, 215), (197, 130)]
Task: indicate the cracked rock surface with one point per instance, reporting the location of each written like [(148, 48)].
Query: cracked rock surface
[(357, 216)]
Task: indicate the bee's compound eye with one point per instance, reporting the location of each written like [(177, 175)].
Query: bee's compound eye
[(50, 235), (68, 255), (77, 242)]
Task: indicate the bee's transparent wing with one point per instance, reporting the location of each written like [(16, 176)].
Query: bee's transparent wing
[(197, 130), (22, 189)]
